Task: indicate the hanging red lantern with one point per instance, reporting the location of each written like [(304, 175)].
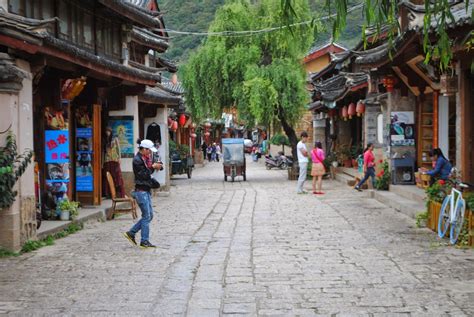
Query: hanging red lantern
[(360, 109), (207, 134), (182, 120), (351, 110), (170, 122), (389, 82), (193, 135), (344, 113), (174, 126)]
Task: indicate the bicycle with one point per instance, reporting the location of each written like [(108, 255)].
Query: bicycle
[(452, 213)]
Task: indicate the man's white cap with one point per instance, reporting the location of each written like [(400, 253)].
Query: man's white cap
[(147, 144)]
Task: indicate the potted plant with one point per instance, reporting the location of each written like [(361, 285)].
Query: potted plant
[(382, 180), (356, 150), (68, 209), (346, 157)]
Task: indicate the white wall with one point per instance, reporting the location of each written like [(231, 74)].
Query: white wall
[(161, 120), (131, 109), (443, 125), (25, 128)]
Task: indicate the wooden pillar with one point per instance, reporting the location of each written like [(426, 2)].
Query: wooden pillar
[(97, 160)]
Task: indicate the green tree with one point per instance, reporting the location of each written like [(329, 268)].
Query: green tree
[(261, 75)]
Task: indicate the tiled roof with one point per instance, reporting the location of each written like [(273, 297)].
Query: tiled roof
[(156, 95), (319, 46), (149, 39), (136, 13), (335, 88)]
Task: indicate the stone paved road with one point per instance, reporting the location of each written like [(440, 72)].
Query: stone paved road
[(247, 248)]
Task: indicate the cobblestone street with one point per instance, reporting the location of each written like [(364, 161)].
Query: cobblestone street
[(247, 248)]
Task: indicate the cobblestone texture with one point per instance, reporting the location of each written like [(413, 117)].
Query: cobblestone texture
[(246, 249)]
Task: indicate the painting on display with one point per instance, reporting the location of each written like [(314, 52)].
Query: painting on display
[(122, 128), (402, 128)]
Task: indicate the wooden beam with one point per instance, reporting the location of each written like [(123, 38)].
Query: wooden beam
[(415, 90)]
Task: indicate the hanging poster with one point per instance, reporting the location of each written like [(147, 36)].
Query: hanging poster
[(402, 128), (122, 128), (84, 175)]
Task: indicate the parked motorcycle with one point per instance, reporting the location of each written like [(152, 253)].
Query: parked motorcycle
[(279, 161)]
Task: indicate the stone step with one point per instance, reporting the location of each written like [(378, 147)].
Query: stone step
[(50, 227), (409, 192), (401, 204)]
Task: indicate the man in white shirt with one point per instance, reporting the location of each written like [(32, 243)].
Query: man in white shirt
[(302, 152)]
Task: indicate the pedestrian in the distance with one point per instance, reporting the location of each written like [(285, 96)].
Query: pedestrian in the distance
[(143, 168), (218, 152), (209, 153), (369, 166), (302, 153), (318, 170)]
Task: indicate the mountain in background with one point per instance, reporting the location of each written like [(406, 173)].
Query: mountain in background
[(197, 15)]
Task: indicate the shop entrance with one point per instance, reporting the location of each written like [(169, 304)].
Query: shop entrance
[(67, 141)]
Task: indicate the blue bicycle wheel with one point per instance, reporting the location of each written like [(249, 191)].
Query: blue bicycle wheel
[(456, 225), (443, 221)]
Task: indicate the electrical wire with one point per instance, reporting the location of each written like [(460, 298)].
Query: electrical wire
[(260, 31)]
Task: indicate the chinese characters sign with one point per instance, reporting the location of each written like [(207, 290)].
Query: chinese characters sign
[(56, 146)]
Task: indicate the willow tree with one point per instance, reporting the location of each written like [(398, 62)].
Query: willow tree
[(260, 74)]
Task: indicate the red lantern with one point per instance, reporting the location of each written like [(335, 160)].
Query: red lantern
[(389, 82), (193, 135), (170, 122), (182, 120), (360, 109), (344, 113), (207, 134), (174, 126), (351, 110), (332, 113)]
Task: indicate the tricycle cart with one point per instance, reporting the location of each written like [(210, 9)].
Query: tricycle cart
[(234, 158)]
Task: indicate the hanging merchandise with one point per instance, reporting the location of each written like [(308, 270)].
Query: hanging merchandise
[(332, 113), (207, 124), (360, 108), (351, 110), (193, 135), (182, 120)]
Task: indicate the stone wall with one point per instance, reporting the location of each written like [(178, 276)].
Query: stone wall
[(27, 219)]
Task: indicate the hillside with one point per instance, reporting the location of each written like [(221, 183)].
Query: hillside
[(196, 15)]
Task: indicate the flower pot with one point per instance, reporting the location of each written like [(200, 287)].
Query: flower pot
[(347, 163), (433, 218), (354, 163), (65, 215)]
